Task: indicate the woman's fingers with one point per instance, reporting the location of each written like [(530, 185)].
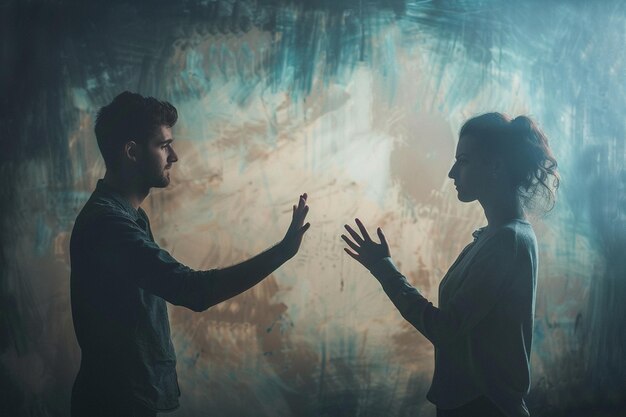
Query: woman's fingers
[(364, 249), (350, 243), (381, 236), (354, 234), (363, 230)]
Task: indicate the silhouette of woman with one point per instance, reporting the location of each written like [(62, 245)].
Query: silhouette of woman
[(482, 328)]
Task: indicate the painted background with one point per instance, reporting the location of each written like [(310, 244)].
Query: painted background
[(357, 103)]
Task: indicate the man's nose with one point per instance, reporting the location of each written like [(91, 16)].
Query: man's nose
[(173, 156)]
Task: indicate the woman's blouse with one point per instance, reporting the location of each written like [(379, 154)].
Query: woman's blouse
[(482, 329)]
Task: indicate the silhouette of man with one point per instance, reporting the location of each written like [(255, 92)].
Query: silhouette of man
[(121, 279)]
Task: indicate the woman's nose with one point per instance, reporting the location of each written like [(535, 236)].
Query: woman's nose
[(452, 172)]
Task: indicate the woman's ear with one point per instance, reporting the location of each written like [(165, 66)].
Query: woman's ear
[(498, 168)]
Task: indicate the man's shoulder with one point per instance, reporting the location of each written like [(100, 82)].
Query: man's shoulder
[(100, 210)]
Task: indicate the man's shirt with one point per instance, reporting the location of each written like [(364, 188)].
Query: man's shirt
[(120, 281)]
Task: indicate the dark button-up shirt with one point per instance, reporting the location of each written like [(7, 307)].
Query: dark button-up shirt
[(120, 281)]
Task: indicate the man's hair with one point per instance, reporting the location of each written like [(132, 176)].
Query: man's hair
[(130, 117)]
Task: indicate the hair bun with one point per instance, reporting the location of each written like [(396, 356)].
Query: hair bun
[(522, 123), (523, 127)]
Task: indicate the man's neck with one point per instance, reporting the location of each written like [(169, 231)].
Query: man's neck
[(131, 190)]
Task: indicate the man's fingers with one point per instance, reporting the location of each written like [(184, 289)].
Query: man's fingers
[(363, 230), (299, 211), (354, 234), (350, 243), (304, 228), (305, 211), (302, 201), (300, 216)]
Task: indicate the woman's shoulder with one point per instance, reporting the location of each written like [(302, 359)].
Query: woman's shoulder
[(519, 228), (517, 234)]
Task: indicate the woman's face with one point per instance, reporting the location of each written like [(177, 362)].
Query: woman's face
[(470, 170)]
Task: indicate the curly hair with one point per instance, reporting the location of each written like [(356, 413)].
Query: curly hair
[(130, 116), (524, 148)]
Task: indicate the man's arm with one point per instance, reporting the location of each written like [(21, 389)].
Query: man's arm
[(233, 280), (126, 249)]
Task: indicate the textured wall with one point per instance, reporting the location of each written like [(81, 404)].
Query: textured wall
[(358, 104)]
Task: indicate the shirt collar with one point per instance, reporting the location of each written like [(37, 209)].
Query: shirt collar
[(476, 234), (106, 190)]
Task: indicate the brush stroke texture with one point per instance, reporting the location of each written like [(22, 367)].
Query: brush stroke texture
[(357, 103)]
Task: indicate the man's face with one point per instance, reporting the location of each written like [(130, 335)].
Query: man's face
[(158, 156)]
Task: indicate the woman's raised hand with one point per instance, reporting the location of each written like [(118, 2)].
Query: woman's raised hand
[(364, 249)]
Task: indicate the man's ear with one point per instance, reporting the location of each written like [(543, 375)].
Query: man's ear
[(130, 150)]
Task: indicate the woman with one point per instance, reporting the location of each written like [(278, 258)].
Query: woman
[(482, 328)]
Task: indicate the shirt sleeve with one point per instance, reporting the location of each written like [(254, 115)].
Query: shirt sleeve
[(487, 276), (128, 250)]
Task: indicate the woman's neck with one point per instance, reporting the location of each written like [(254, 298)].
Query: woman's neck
[(502, 208)]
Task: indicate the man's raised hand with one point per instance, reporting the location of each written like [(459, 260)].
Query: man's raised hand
[(293, 238)]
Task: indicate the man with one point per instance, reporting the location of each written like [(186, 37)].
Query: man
[(121, 278)]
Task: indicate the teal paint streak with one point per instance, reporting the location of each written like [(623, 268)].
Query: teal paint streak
[(193, 76), (43, 237), (390, 67)]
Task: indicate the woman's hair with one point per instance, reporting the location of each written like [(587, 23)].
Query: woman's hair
[(130, 116), (524, 148)]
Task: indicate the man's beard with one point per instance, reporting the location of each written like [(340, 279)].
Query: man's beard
[(163, 180), (158, 179)]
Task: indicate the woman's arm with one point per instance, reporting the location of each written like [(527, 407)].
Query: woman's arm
[(481, 290)]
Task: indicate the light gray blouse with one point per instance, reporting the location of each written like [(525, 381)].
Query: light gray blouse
[(482, 329)]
